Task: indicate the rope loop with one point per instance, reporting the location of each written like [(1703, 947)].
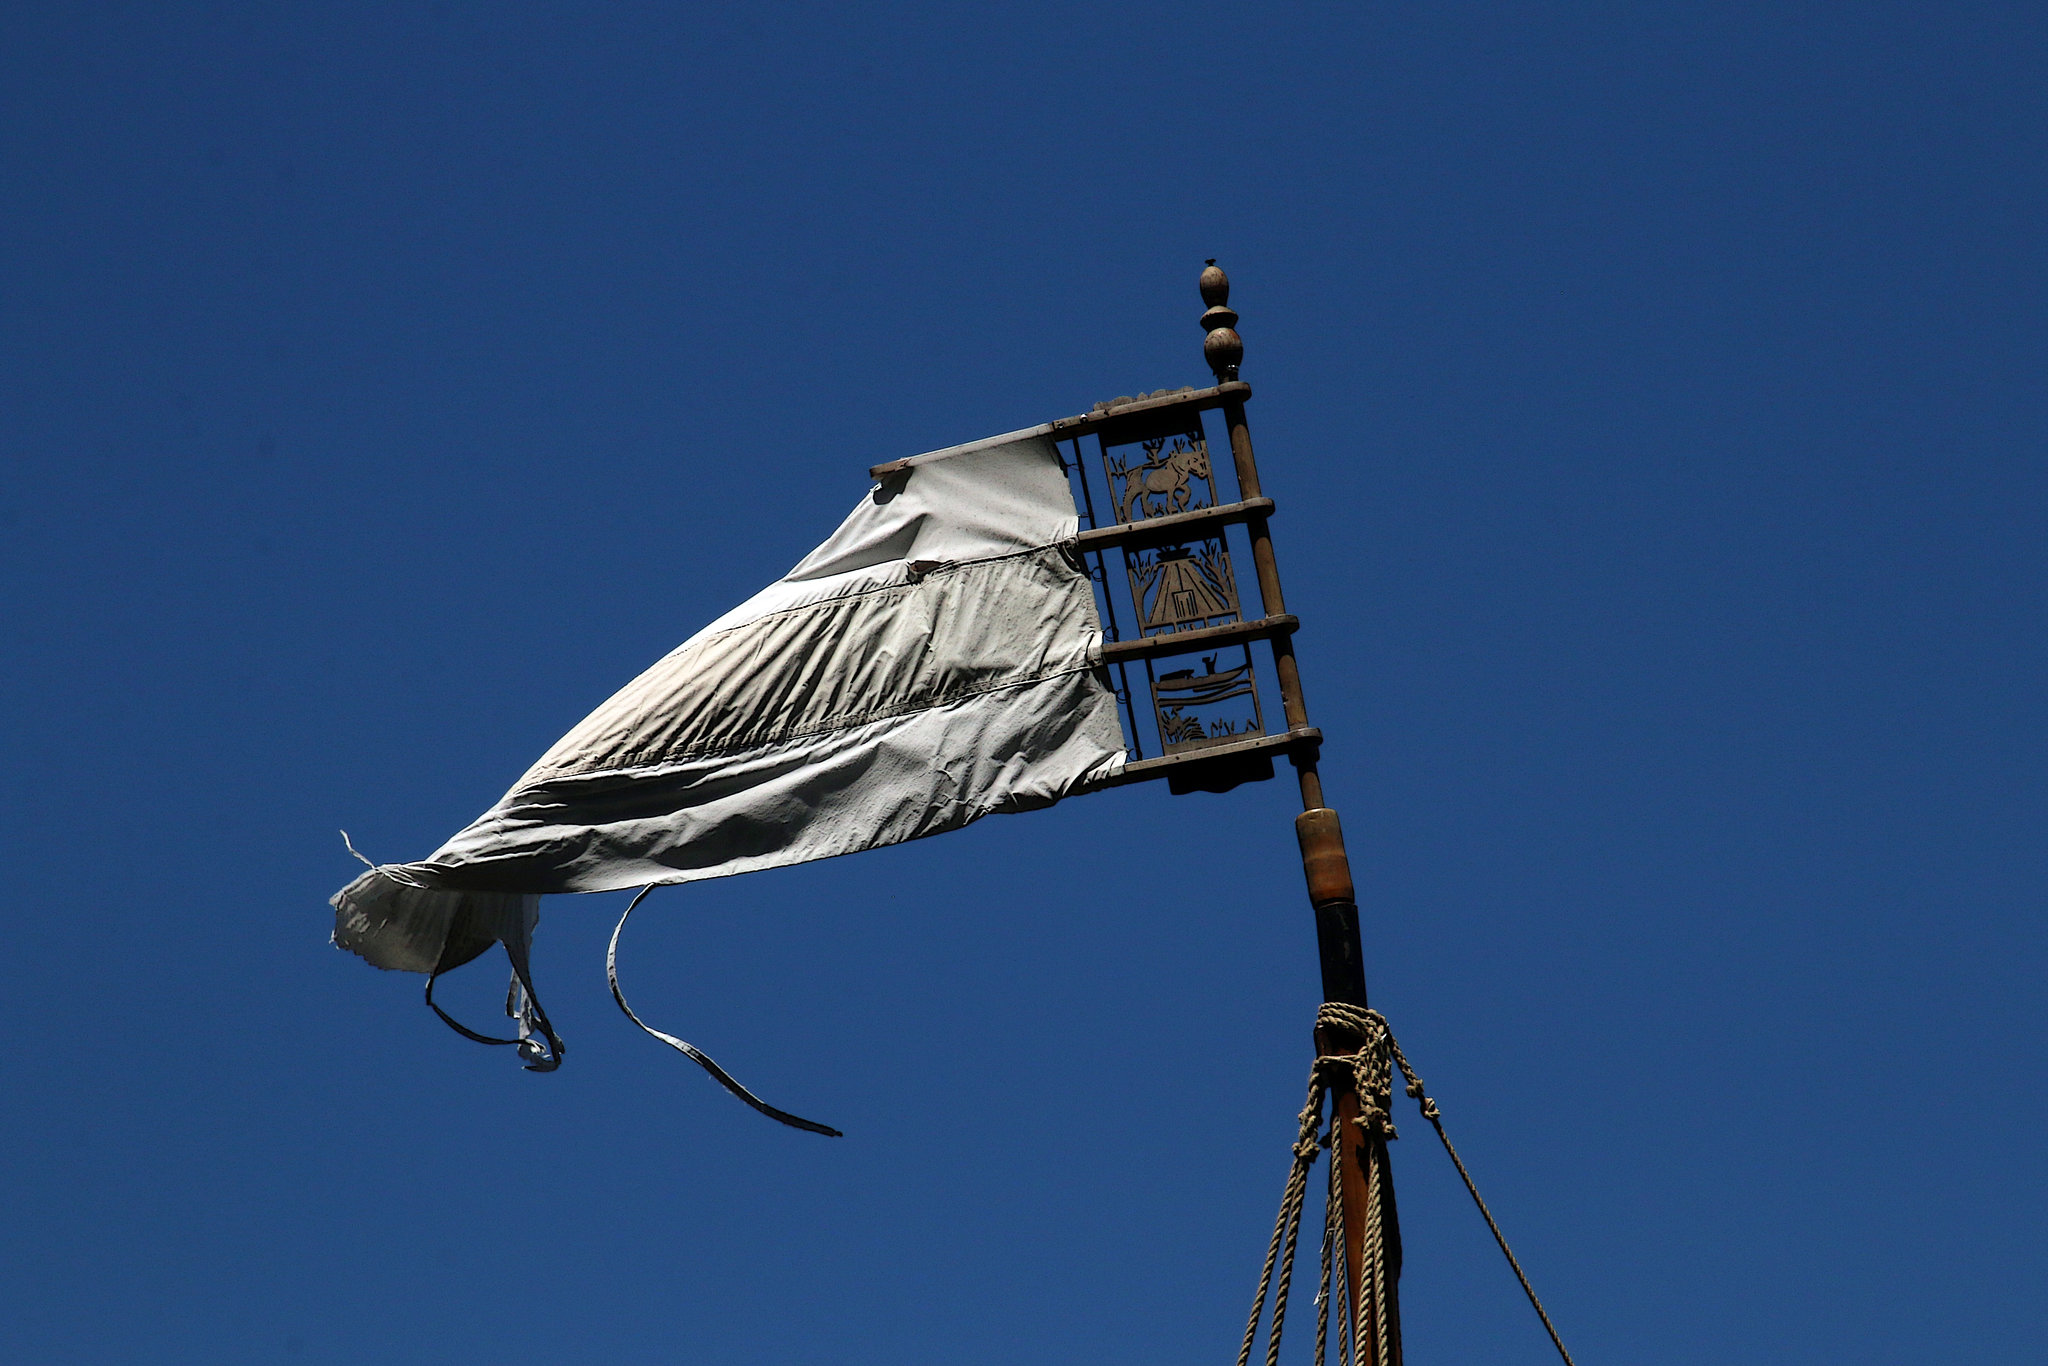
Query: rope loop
[(1367, 1072), (1370, 1066)]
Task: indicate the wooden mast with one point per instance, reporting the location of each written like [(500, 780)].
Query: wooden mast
[(1323, 861)]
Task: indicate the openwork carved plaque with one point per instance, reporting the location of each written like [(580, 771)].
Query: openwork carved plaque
[(1181, 585), (1177, 587), (1168, 478), (1206, 708)]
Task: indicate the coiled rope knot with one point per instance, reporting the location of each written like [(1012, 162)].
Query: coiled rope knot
[(1365, 1073), (1367, 1290), (1369, 1069)]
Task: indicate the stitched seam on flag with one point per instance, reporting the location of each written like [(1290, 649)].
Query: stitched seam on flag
[(1061, 582), (770, 733), (867, 719), (762, 738), (876, 589)]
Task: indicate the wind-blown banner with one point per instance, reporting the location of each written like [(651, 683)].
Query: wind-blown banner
[(927, 665)]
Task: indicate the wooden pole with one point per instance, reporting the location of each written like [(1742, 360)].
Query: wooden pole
[(1323, 860)]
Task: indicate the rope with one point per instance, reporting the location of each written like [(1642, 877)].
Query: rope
[(1367, 1073), (1435, 1118), (1334, 1271), (1287, 1227), (350, 845), (724, 1078)]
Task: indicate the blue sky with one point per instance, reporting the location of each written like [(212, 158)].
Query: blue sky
[(1653, 398)]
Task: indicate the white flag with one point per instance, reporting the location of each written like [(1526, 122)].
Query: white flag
[(927, 665)]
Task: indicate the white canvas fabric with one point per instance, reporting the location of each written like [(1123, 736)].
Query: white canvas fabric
[(930, 663)]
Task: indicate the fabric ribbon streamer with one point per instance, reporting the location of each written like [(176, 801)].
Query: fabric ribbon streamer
[(932, 662), (719, 1074)]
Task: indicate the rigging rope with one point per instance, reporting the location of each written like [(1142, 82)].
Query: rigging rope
[(1370, 1077)]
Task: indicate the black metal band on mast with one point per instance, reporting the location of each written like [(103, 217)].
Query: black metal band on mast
[(1322, 838), (1364, 1178)]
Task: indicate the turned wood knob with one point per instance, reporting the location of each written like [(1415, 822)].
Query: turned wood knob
[(1222, 347), (1215, 285)]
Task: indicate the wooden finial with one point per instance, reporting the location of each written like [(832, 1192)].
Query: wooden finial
[(1223, 348)]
